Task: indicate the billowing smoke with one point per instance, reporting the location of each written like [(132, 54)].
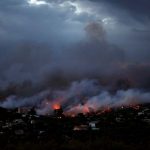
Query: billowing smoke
[(33, 67), (14, 101), (92, 57), (47, 51), (41, 79), (80, 97)]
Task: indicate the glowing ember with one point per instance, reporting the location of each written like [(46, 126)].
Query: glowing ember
[(56, 106)]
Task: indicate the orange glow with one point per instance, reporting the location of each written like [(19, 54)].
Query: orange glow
[(85, 109), (56, 106)]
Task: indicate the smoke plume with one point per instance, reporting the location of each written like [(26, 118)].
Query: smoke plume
[(80, 97)]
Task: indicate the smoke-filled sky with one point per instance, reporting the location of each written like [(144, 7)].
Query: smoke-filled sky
[(46, 43)]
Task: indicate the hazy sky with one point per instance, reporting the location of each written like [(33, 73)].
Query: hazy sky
[(43, 41)]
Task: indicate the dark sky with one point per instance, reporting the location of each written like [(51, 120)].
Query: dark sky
[(48, 40)]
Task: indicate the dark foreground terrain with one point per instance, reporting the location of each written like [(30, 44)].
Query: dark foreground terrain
[(126, 128)]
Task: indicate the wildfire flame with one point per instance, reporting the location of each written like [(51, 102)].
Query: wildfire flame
[(56, 106), (85, 109)]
